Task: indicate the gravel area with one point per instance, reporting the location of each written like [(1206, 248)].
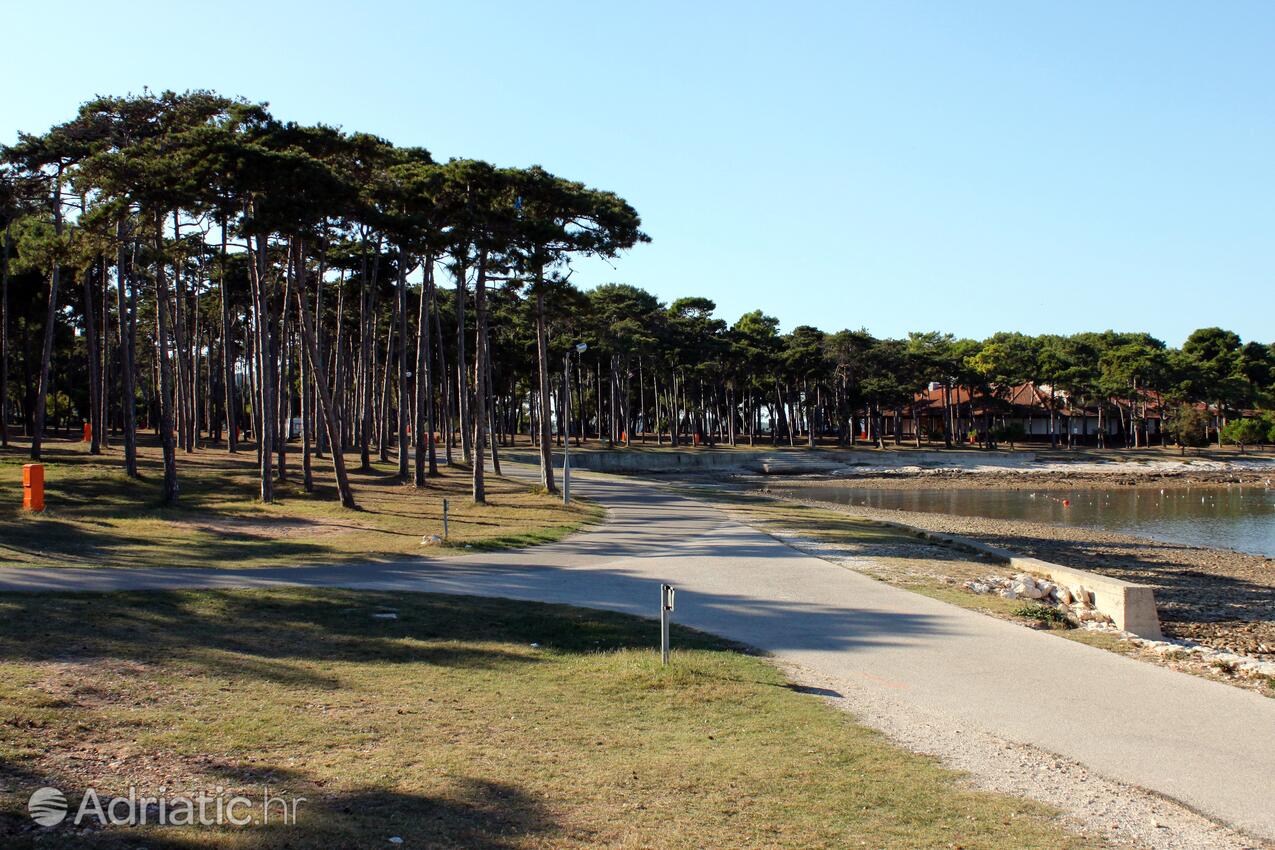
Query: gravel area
[(1215, 597), (1122, 815)]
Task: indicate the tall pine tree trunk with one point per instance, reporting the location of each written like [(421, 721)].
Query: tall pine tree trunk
[(339, 365), (383, 408), (462, 365), (166, 423), (185, 404), (264, 370), (444, 384), (50, 322), (423, 423), (325, 397), (230, 393), (95, 376), (128, 352), (320, 434), (480, 382), (367, 307), (542, 363), (402, 366), (4, 337), (307, 379)]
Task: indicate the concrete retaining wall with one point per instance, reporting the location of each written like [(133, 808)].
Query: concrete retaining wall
[(1130, 606)]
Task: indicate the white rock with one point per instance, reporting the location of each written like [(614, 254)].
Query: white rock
[(1027, 591), (1061, 594), (1081, 594), (431, 540), (1009, 593)]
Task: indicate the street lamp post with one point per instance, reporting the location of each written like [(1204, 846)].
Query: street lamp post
[(580, 348)]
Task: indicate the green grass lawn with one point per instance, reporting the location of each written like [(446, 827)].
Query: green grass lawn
[(462, 723), (97, 516)]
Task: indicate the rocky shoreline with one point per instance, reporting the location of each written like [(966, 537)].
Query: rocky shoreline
[(1218, 598), (1046, 478)]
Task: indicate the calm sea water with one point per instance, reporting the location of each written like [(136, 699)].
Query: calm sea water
[(1240, 518)]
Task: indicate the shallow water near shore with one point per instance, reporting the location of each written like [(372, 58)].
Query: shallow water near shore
[(1240, 518)]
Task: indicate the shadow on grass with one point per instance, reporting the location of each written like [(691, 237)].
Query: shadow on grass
[(282, 635), (288, 637), (97, 516), (476, 813), (33, 540)]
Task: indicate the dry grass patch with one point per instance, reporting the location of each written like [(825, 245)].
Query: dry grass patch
[(96, 516), (462, 723)]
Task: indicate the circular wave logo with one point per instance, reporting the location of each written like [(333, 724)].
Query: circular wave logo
[(47, 806)]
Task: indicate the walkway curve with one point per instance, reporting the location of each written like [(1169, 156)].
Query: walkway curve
[(1205, 744)]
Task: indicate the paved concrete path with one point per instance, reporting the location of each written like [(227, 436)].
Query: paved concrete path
[(1205, 744)]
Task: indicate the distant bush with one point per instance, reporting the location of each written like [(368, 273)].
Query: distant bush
[(1268, 419), (1187, 425), (1010, 432), (1245, 432)]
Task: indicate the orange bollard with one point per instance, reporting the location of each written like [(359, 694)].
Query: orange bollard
[(88, 432), (33, 487)]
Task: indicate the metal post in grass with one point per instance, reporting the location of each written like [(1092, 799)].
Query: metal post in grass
[(666, 607), (444, 519)]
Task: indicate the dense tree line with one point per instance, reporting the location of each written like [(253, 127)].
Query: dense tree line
[(192, 265), (242, 271)]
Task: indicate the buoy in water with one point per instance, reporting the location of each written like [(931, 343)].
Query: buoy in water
[(1066, 503)]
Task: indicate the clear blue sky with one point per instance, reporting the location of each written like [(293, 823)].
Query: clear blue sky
[(972, 167)]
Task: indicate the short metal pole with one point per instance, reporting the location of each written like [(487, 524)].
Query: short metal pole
[(666, 607), (664, 637), (444, 519)]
